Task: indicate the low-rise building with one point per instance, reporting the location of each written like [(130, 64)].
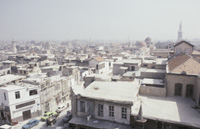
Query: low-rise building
[(121, 67), (19, 102), (53, 90), (103, 103), (181, 78)]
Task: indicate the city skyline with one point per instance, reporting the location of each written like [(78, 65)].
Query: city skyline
[(98, 20)]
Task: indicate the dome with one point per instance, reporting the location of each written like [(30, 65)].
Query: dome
[(148, 39), (141, 44)]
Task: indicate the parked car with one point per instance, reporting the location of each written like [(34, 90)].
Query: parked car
[(5, 127), (61, 108), (51, 120), (67, 118), (48, 114), (30, 124)]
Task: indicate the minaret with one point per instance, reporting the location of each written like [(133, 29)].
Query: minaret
[(180, 33), (14, 49)]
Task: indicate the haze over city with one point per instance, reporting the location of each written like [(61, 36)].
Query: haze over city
[(99, 64), (98, 20)]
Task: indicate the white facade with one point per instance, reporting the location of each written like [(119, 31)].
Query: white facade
[(16, 100), (102, 67), (94, 111)]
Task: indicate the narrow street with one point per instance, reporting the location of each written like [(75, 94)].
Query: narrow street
[(42, 124)]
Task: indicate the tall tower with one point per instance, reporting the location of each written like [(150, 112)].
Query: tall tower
[(14, 49), (180, 33)]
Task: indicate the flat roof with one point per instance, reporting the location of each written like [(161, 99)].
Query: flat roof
[(148, 61), (100, 76), (156, 70), (153, 81), (175, 110), (116, 77), (9, 78), (25, 69), (121, 92), (12, 87), (132, 61), (118, 63), (50, 67), (128, 74), (162, 61)]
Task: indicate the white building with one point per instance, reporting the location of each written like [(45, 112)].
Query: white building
[(99, 64), (19, 103)]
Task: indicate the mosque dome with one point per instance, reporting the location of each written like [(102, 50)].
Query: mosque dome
[(148, 39), (141, 44)]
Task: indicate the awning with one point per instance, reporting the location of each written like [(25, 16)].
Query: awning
[(100, 124)]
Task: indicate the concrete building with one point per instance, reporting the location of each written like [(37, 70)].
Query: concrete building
[(19, 103), (9, 63), (53, 90), (183, 47), (161, 53), (94, 61), (167, 45), (97, 107), (182, 73), (121, 67), (4, 70)]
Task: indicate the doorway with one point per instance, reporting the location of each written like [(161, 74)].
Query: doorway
[(26, 114), (189, 91), (178, 89)]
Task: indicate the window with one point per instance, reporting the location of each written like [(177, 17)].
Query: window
[(17, 95), (187, 50), (189, 90), (178, 89), (5, 96), (178, 50), (145, 65), (132, 68), (32, 92), (111, 111), (124, 113), (100, 109), (82, 106)]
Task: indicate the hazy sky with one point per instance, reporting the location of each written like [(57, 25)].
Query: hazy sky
[(98, 19)]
